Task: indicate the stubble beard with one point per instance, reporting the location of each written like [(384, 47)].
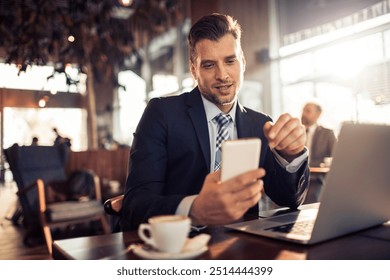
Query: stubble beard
[(220, 100), (217, 100)]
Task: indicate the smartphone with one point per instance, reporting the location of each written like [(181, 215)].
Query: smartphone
[(239, 156)]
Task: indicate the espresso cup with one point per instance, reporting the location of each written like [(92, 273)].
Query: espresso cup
[(166, 233), (328, 161)]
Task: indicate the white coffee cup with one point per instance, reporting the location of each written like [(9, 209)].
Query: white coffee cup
[(328, 161), (166, 233)]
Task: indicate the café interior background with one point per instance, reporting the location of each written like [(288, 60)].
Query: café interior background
[(336, 52)]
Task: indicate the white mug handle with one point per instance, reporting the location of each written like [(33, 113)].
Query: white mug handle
[(141, 233)]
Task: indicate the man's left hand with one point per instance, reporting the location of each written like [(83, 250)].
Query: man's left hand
[(287, 135)]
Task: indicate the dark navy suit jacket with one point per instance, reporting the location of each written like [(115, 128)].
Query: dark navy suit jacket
[(170, 158), (324, 142)]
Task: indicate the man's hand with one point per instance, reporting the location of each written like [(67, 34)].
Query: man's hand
[(287, 136), (226, 202)]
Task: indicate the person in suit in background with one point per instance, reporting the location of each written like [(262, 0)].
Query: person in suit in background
[(172, 159), (34, 141), (60, 140), (320, 142)]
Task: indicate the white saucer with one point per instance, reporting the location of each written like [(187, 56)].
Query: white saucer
[(140, 251)]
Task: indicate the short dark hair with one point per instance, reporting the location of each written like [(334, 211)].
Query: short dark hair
[(212, 27), (318, 107)]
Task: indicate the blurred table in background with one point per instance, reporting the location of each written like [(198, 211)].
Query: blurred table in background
[(317, 178), (321, 170)]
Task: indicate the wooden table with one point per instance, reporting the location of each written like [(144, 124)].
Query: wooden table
[(227, 244), (319, 170), (317, 177)]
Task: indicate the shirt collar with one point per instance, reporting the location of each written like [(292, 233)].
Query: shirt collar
[(212, 110), (312, 128)]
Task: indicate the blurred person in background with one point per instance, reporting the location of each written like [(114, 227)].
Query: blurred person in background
[(320, 141), (34, 141)]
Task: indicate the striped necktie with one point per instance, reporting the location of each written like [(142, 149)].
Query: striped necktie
[(222, 121)]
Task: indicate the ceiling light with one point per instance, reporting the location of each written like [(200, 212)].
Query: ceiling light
[(43, 101), (126, 3)]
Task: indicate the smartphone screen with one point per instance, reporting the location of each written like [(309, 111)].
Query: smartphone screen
[(239, 156)]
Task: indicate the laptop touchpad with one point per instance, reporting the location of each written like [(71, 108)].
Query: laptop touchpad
[(284, 218)]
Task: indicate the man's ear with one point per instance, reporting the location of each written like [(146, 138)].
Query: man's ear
[(192, 70), (243, 61)]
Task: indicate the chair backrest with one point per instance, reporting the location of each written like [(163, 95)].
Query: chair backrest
[(29, 163)]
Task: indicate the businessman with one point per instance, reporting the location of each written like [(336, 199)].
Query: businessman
[(320, 141), (175, 151)]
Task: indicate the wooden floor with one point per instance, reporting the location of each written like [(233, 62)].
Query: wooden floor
[(11, 236)]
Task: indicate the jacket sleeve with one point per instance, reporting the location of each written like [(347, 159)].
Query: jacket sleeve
[(285, 188), (144, 191)]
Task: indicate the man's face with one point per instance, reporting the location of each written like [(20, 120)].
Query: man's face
[(219, 70), (310, 115)]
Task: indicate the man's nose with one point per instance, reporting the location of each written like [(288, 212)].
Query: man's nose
[(221, 73)]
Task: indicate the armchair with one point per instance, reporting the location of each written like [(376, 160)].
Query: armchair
[(48, 198)]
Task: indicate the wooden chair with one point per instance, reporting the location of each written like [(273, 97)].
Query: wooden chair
[(113, 207), (48, 198)]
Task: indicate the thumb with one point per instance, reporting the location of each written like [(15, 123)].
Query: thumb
[(267, 129), (213, 177)]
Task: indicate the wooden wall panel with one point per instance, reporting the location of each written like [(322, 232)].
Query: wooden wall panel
[(107, 164), (29, 99)]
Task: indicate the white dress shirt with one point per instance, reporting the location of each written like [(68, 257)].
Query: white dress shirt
[(309, 136)]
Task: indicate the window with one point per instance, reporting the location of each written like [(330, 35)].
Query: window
[(349, 79), (131, 104), (22, 124)]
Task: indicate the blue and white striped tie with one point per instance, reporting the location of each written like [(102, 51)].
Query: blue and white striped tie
[(222, 121)]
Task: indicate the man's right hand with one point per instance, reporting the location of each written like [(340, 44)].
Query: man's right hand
[(225, 202)]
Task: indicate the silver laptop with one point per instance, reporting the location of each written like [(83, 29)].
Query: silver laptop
[(356, 194)]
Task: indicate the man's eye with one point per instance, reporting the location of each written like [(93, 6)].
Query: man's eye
[(231, 61), (208, 65)]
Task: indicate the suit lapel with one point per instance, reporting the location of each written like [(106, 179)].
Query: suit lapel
[(244, 123), (314, 141), (198, 116), (245, 126)]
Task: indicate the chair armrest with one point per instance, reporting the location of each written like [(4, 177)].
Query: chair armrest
[(41, 196), (113, 206)]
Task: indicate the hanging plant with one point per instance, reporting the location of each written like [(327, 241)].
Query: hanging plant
[(104, 34)]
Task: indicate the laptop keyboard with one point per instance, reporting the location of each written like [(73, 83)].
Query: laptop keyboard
[(299, 228)]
